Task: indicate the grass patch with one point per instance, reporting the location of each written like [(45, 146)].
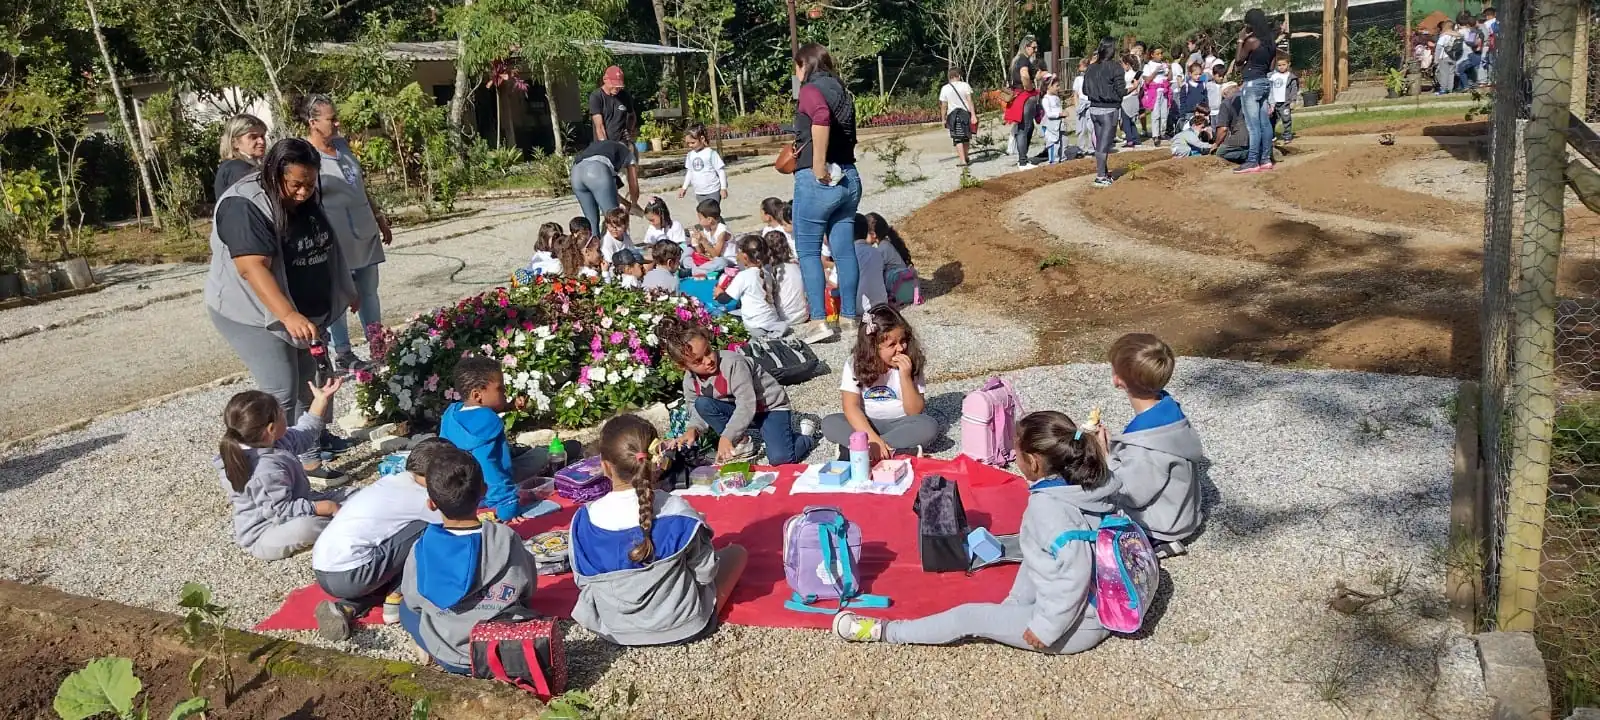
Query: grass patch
[(1053, 260), (1303, 123), (144, 244)]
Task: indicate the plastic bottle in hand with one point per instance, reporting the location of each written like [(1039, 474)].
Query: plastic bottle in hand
[(319, 352), (860, 458), (558, 454)]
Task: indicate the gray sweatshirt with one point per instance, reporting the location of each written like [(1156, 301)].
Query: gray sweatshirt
[(455, 580), (227, 293), (671, 599), (740, 381), (1156, 470), (1060, 584), (278, 489), (349, 212)]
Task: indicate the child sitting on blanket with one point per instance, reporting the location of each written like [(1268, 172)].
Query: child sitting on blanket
[(667, 256), (641, 557), (791, 286), (712, 242), (756, 289), (882, 388), (1048, 608), (474, 425), (274, 514), (359, 557), (462, 571), (1155, 456), (729, 393)]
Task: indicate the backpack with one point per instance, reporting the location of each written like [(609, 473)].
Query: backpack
[(941, 525), (787, 360), (989, 422), (904, 288), (820, 552), (1454, 50), (527, 654), (1126, 571)]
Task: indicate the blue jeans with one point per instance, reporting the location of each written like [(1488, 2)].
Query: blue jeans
[(1256, 120), (827, 210), (371, 312), (595, 184), (783, 445), (1467, 72), (411, 621)]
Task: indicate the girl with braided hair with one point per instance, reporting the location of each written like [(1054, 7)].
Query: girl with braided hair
[(756, 288), (642, 558)]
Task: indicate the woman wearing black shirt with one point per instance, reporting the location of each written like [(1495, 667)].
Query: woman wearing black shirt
[(244, 142), (1254, 55), (594, 178), (277, 274)]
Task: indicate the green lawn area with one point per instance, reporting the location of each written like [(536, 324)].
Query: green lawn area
[(1303, 122)]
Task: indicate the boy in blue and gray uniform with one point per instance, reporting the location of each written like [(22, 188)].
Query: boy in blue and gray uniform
[(463, 571), (1155, 456)]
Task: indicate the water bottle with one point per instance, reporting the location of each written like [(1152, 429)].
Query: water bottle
[(558, 454), (860, 458), (319, 353)]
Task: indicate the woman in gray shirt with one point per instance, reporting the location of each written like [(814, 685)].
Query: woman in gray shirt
[(360, 229)]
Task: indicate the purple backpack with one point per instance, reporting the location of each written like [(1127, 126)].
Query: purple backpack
[(820, 552)]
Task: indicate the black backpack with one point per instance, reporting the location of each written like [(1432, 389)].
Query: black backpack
[(941, 525), (787, 360)]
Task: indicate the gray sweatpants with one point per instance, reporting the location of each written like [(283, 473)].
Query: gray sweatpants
[(288, 537), (278, 368), (366, 586), (1001, 622), (903, 433)]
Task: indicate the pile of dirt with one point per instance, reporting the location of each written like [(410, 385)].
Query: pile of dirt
[(1342, 297)]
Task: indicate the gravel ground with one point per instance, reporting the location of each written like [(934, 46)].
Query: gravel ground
[(1315, 477), (148, 334)]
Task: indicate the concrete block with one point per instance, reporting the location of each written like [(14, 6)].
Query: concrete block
[(1513, 674), (1584, 714)]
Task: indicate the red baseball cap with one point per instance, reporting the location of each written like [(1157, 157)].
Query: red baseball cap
[(613, 76)]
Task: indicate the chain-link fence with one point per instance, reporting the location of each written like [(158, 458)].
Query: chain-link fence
[(1540, 421)]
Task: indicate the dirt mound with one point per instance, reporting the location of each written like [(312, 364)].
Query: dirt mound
[(1352, 183)]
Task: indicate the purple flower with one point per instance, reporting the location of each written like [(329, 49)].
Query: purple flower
[(583, 376), (595, 344), (684, 315)]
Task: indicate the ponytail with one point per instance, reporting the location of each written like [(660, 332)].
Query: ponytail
[(1063, 447), (235, 463), (627, 443), (645, 551), (245, 421)]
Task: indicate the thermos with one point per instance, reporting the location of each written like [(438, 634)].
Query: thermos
[(860, 458), (558, 454)]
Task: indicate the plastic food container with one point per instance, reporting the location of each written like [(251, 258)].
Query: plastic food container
[(534, 489), (703, 476), (834, 473)]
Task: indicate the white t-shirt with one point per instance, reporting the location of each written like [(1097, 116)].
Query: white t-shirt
[(703, 172), (753, 306), (882, 401), (869, 264), (1150, 68), (543, 263), (1077, 92), (673, 232), (619, 509), (956, 95), (1280, 86), (731, 250), (792, 295), (610, 245), (1052, 107), (370, 517), (1211, 63)]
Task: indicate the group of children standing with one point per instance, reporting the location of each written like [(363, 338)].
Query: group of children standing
[(1459, 55)]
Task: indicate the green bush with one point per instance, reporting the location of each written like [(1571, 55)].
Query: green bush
[(551, 171), (501, 161)]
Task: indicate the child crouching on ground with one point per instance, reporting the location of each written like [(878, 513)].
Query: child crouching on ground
[(1189, 142), (1048, 608), (359, 557), (1154, 458), (729, 393), (474, 425), (462, 571), (882, 388), (642, 558), (274, 514)]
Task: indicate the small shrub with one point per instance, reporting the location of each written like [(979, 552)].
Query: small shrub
[(553, 172), (969, 181), (1053, 260), (501, 161), (890, 152)]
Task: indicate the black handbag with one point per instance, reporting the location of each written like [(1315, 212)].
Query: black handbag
[(941, 525)]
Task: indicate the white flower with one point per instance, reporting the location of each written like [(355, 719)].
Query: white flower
[(523, 378), (606, 323), (543, 332), (623, 311), (638, 374), (542, 402), (538, 347), (395, 388), (408, 359), (619, 356), (597, 374), (405, 401), (648, 319), (425, 352), (571, 401), (408, 380), (651, 339)]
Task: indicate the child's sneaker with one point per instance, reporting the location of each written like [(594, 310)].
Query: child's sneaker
[(1170, 549), (746, 449), (391, 608), (816, 331), (333, 620), (1265, 167), (1102, 182), (1247, 170), (857, 628), (808, 427)]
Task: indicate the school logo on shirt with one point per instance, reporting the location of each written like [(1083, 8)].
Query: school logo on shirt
[(698, 164), (880, 392)]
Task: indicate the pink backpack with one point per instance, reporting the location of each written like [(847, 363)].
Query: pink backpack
[(1126, 571), (989, 422)]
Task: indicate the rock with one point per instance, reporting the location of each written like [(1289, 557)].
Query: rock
[(354, 420), (419, 437), (1513, 674), (535, 438), (390, 443), (1584, 714)]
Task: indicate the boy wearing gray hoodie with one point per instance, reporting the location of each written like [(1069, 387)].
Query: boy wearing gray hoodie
[(463, 571), (1048, 608), (1155, 456)]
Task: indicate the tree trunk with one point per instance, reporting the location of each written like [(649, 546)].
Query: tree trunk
[(140, 158), (716, 106), (550, 103), (499, 119), (668, 67), (280, 111), (458, 101)]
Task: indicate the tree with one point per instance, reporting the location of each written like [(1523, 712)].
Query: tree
[(700, 23), (851, 36), (965, 26), (141, 155), (270, 30)]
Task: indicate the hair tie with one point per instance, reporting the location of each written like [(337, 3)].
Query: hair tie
[(869, 324)]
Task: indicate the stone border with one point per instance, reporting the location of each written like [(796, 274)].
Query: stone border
[(453, 697), (1513, 674)]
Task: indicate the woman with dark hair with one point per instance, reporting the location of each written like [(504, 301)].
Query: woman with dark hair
[(1024, 106), (827, 189), (277, 277), (359, 227), (1257, 48), (1105, 84)]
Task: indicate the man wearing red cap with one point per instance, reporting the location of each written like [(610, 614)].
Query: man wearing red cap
[(613, 113)]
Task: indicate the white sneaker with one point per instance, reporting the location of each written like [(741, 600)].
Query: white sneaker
[(808, 427), (816, 331), (857, 628), (745, 450), (848, 326)]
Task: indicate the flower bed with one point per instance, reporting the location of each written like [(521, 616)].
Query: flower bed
[(908, 117), (574, 352)]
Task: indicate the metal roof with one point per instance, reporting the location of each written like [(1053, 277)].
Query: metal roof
[(445, 50)]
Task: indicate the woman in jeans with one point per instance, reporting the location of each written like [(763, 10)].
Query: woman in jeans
[(1255, 54), (359, 227), (277, 278), (594, 179), (827, 190)]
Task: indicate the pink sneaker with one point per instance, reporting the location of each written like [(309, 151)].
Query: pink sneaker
[(1265, 167), (1247, 170)]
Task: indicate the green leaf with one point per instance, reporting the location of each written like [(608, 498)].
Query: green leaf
[(104, 685), (194, 596), (421, 708), (192, 623), (194, 675), (189, 708)]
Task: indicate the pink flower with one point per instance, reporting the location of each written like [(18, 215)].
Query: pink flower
[(594, 344), (734, 346), (616, 338), (583, 376), (363, 376), (510, 312), (432, 383), (640, 355), (505, 342), (527, 325), (451, 394), (633, 340), (433, 332), (449, 343), (684, 315)]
